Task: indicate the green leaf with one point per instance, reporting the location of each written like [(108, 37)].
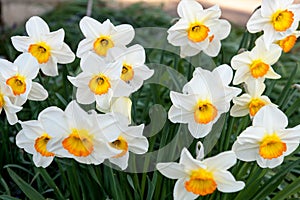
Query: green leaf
[(29, 191), (289, 190), (6, 197)]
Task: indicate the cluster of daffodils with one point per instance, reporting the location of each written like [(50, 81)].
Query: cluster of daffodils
[(208, 94), (110, 73)]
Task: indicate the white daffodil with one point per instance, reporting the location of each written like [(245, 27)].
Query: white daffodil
[(79, 135), (288, 42), (198, 177), (134, 71), (47, 47), (34, 139), (250, 102), (103, 37), (256, 64), (18, 76), (131, 138), (205, 97), (267, 141), (198, 29), (6, 104), (99, 81), (277, 18)]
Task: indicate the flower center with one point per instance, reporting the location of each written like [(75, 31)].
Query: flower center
[(120, 144), (201, 182), (99, 84), (41, 51), (127, 73), (271, 147), (40, 145), (282, 20), (197, 32), (259, 68), (287, 43), (254, 105), (102, 44), (205, 112), (79, 143), (17, 84), (2, 101)]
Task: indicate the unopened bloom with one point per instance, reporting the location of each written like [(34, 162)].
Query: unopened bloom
[(198, 177), (205, 97), (47, 47), (99, 81), (5, 103), (277, 18), (250, 102), (256, 64), (34, 139), (79, 135), (134, 70), (102, 37), (267, 141), (18, 76), (198, 29)]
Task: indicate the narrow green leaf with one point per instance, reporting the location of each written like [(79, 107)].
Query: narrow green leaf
[(29, 191), (289, 190), (6, 197)]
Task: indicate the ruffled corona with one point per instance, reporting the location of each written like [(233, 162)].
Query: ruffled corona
[(102, 44), (282, 20), (205, 112), (120, 144), (197, 32), (287, 43), (41, 51), (255, 105), (99, 84), (17, 84), (127, 72), (259, 68), (271, 146), (40, 145)]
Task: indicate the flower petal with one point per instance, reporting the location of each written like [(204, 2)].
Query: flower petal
[(222, 161), (63, 55), (124, 35), (36, 26), (227, 183), (21, 43), (50, 68), (171, 170), (180, 193), (37, 92)]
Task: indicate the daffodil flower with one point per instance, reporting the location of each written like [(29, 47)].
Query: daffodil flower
[(134, 70), (267, 141), (205, 97), (277, 18), (5, 103), (201, 177), (250, 102), (288, 42), (198, 29), (47, 47), (78, 134), (256, 64), (100, 38), (99, 81), (18, 76), (34, 139)]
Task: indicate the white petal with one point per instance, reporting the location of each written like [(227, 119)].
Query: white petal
[(189, 9), (227, 183), (177, 38), (185, 101), (124, 35), (63, 55), (90, 27), (256, 22), (187, 50), (42, 161), (138, 145), (37, 92), (239, 111), (55, 39), (224, 72), (109, 126), (213, 48), (122, 161), (246, 151), (84, 47), (199, 130), (180, 193), (122, 105), (11, 118), (50, 68), (103, 101), (76, 116), (171, 170), (8, 69), (36, 26), (135, 55), (23, 142), (120, 88), (266, 163), (92, 63), (9, 107), (189, 162), (27, 65), (273, 55), (21, 43), (178, 115), (85, 96), (222, 161)]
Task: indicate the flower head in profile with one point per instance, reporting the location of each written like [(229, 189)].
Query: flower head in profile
[(200, 177), (34, 139), (78, 134), (288, 42), (256, 64), (99, 81), (250, 102), (134, 70), (100, 38), (267, 141), (205, 97), (47, 47), (5, 103), (198, 29), (18, 76)]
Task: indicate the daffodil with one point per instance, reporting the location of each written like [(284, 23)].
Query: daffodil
[(47, 47), (267, 141), (100, 38), (134, 71), (198, 29), (205, 97), (6, 104), (18, 76), (34, 139), (288, 42), (277, 18), (256, 64), (250, 102), (99, 81), (201, 177), (79, 135)]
